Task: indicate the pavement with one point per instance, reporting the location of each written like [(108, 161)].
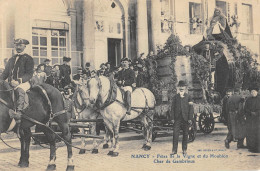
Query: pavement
[(207, 152)]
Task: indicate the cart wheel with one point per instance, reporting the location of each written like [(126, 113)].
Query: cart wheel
[(206, 123), (154, 134), (192, 131)]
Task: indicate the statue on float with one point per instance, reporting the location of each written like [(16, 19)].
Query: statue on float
[(219, 28)]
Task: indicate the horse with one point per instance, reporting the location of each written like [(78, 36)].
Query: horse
[(143, 103), (39, 109), (85, 112)]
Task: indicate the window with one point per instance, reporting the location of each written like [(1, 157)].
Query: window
[(223, 6), (195, 18), (246, 19), (50, 44), (165, 16)]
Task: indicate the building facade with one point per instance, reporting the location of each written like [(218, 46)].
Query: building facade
[(99, 31)]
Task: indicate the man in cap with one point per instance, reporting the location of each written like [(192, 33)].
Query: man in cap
[(65, 72), (18, 71), (48, 70), (126, 78), (236, 119), (182, 114), (252, 112)]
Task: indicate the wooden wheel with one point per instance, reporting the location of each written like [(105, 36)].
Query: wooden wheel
[(192, 131), (206, 122)]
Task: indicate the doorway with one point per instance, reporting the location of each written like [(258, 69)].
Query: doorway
[(114, 51)]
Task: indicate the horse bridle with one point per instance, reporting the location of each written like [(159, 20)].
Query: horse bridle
[(74, 102), (100, 89)]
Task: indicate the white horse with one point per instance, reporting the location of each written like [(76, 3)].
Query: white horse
[(85, 112), (143, 103)]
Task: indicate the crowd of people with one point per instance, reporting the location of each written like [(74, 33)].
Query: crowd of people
[(240, 112)]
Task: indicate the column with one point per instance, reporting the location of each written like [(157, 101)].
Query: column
[(22, 22), (89, 32), (73, 28), (141, 27), (126, 27), (155, 23)]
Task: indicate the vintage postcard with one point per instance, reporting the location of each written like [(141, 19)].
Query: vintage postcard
[(129, 85)]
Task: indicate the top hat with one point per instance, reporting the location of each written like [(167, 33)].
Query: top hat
[(21, 41), (182, 83), (66, 59), (253, 86), (126, 59), (47, 60)]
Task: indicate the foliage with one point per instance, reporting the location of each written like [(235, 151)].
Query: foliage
[(245, 64), (171, 49)]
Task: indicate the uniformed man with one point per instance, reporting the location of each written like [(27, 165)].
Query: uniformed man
[(65, 72), (126, 79), (18, 71), (69, 103)]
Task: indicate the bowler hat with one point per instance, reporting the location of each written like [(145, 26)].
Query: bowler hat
[(47, 60), (66, 59), (87, 64), (21, 41), (182, 83)]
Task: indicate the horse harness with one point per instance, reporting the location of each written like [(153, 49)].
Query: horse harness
[(52, 115), (112, 94)]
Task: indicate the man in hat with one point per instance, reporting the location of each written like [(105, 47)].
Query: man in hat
[(236, 119), (181, 114), (126, 79), (65, 72), (102, 69), (18, 71), (252, 112), (48, 70), (108, 69), (87, 70)]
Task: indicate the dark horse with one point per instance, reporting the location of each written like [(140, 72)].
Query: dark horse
[(39, 110)]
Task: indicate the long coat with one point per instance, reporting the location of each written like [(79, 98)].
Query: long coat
[(65, 72), (21, 71), (252, 104), (236, 123), (181, 107)]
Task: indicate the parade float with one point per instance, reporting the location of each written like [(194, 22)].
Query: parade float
[(217, 63)]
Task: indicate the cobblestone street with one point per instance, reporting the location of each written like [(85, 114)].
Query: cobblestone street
[(210, 147)]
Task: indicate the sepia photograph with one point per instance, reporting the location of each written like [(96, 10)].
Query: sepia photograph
[(144, 85)]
